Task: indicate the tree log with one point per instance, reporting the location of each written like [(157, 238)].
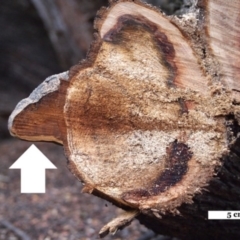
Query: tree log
[(69, 26), (149, 120)]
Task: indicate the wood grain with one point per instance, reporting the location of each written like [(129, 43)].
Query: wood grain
[(223, 31)]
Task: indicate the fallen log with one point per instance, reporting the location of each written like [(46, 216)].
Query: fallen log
[(150, 120), (69, 26)]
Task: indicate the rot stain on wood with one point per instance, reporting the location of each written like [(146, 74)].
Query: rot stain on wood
[(161, 40), (178, 155)]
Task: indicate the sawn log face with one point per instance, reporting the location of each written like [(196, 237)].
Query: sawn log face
[(126, 108)]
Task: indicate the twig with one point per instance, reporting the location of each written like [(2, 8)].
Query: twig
[(16, 230)]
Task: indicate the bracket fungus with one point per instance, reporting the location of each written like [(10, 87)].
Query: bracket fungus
[(143, 118)]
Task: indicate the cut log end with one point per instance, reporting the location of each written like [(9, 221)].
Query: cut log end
[(150, 135), (38, 117)]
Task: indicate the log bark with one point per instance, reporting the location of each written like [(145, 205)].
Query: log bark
[(149, 121)]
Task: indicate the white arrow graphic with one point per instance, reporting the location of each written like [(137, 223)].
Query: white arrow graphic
[(33, 164)]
